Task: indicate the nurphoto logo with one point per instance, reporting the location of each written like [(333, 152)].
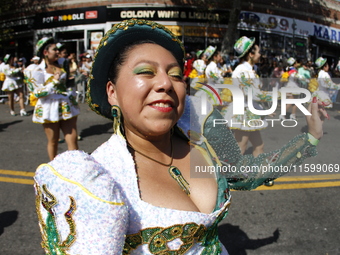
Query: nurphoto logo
[(239, 99)]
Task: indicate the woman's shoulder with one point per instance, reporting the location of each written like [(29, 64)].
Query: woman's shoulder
[(114, 156), (242, 67), (75, 187), (114, 145), (323, 74), (75, 167), (211, 64), (78, 168)]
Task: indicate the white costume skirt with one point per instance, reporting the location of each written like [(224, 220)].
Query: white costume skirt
[(55, 107), (323, 97), (12, 84), (292, 84)]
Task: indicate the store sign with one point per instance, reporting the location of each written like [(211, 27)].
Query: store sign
[(91, 14), (283, 25), (327, 33), (140, 14), (261, 21), (71, 17), (60, 18), (168, 13)]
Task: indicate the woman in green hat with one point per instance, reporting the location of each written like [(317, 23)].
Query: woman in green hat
[(247, 127), (138, 193), (199, 66), (294, 80), (213, 72), (327, 87), (56, 108), (14, 83)]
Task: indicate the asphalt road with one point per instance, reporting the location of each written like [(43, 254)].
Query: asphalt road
[(298, 215)]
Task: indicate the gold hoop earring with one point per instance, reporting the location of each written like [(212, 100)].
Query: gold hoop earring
[(117, 115)]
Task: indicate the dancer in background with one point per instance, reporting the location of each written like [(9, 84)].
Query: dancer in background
[(247, 126), (56, 108), (213, 72), (294, 81), (199, 66), (326, 86), (14, 84)]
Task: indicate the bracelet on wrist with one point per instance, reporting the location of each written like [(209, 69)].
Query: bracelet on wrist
[(312, 139)]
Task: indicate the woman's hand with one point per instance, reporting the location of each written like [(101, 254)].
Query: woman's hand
[(315, 121)]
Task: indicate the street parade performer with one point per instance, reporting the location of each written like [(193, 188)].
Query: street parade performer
[(136, 193), (327, 88), (55, 105), (246, 79)]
